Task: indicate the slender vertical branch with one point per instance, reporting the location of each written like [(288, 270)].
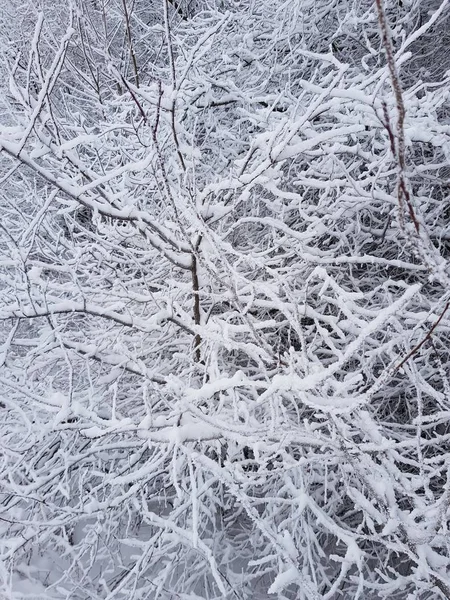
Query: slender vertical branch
[(403, 194), (196, 293), (130, 41), (169, 43), (174, 82)]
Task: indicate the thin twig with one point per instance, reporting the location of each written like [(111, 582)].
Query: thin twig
[(130, 41), (399, 151), (425, 339)]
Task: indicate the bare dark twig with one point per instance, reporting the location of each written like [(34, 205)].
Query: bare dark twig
[(425, 339), (398, 149), (130, 42)]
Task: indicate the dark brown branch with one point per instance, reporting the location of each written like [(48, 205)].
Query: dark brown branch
[(130, 41), (425, 339), (404, 196), (197, 310)]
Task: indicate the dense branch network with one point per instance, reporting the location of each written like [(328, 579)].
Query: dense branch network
[(224, 301)]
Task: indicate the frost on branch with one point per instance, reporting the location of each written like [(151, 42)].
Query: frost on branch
[(224, 305)]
